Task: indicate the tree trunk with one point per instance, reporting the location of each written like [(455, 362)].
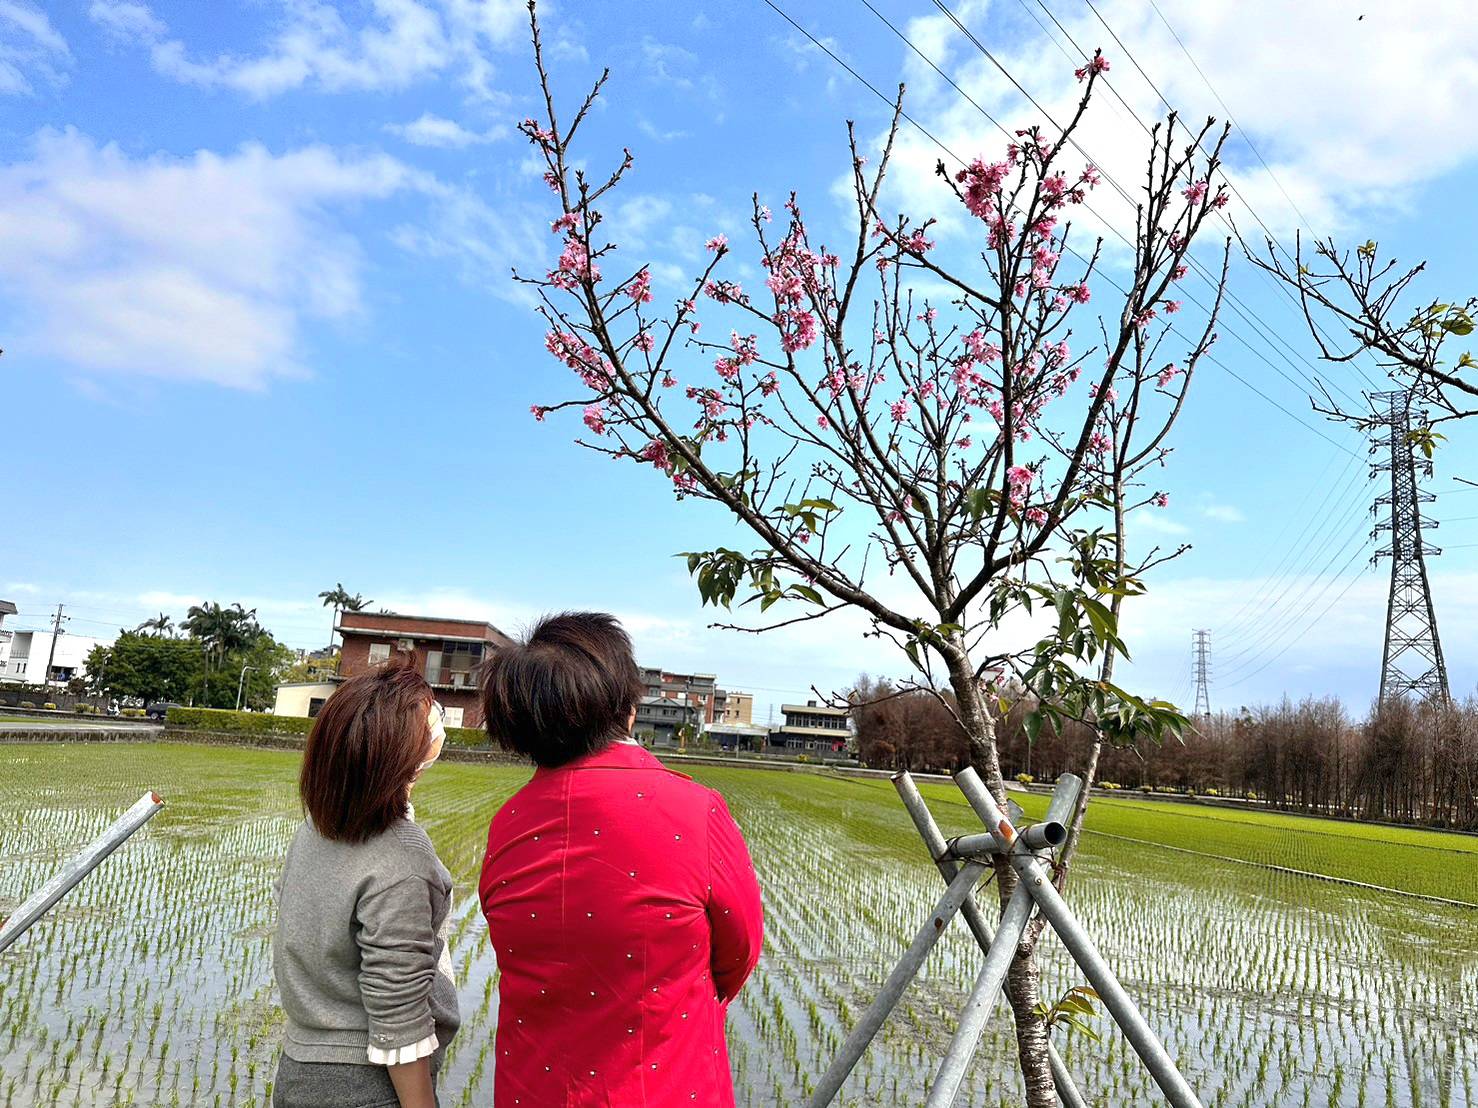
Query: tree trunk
[(1023, 980)]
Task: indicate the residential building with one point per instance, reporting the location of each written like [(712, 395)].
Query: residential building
[(448, 652), (695, 689), (24, 654), (6, 609), (736, 736), (733, 707), (812, 727), (658, 719)]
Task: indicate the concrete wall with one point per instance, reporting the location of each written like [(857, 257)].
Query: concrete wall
[(296, 699)]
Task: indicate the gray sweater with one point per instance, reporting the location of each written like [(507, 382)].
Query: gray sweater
[(360, 953)]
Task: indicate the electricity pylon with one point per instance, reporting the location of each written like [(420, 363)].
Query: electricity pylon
[(1202, 647)]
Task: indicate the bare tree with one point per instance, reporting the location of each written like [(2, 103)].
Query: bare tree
[(1366, 300), (877, 412)]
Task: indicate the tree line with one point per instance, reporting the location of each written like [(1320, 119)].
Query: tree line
[(202, 660), (1402, 762)]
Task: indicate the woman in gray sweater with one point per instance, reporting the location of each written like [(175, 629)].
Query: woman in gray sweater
[(363, 905)]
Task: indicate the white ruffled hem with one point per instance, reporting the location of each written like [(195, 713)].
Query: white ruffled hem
[(403, 1055)]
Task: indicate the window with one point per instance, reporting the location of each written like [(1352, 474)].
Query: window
[(379, 652), (454, 717), (315, 705), (455, 664)]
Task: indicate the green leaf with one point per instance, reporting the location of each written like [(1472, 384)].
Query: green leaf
[(1033, 725), (809, 593)]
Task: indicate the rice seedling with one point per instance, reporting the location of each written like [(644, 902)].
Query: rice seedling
[(152, 983)]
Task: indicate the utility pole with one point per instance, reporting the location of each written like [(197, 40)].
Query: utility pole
[(1411, 662), (241, 684), (1202, 648), (56, 630)]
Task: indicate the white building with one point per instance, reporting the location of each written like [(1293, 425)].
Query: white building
[(23, 657), (302, 698)]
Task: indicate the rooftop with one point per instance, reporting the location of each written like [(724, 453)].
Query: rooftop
[(819, 709), (398, 623), (7, 608)]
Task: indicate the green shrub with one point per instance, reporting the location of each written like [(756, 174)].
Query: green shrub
[(263, 723), (49, 706), (28, 704), (1146, 788), (466, 736), (1025, 778), (1109, 785), (240, 723), (1213, 792), (85, 710)]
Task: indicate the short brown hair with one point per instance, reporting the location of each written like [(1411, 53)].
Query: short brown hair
[(565, 691), (364, 749)]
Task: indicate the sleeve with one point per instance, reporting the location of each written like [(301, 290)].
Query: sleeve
[(735, 915), (397, 965)]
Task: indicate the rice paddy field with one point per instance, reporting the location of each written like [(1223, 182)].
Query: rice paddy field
[(152, 983)]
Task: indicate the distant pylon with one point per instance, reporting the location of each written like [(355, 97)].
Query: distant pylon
[(1412, 660), (1202, 648)]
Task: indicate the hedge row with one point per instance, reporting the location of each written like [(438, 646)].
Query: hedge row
[(262, 723)]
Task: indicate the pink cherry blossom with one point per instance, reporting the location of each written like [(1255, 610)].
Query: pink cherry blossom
[(656, 453), (1035, 516), (668, 380), (564, 223), (538, 412), (1020, 477), (1172, 306), (639, 288), (823, 422), (717, 244), (595, 418), (1196, 191), (644, 341), (1097, 64), (1161, 500)]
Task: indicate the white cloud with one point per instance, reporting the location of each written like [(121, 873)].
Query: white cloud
[(1379, 107), (206, 267), (434, 130), (1158, 523), (1223, 513), (29, 44), (314, 45)]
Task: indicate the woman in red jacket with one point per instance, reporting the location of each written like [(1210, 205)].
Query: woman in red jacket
[(621, 901)]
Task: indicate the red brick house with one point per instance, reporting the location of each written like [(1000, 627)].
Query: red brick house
[(448, 652)]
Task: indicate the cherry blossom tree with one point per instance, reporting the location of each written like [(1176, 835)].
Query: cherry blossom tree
[(880, 420)]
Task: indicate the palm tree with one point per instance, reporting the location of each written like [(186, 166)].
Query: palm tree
[(222, 630), (341, 601), (161, 625)]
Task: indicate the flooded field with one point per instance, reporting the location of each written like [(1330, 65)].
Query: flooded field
[(152, 984)]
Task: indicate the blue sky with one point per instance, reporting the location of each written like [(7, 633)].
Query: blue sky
[(260, 337)]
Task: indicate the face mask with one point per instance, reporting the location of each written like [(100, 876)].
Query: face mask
[(436, 720)]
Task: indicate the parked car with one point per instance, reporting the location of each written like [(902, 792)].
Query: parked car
[(158, 709)]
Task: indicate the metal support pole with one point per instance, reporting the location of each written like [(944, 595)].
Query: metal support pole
[(892, 990), (1038, 882), (77, 867), (934, 842), (982, 1001)]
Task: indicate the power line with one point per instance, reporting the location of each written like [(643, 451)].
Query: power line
[(1233, 301), (940, 144), (1226, 176)]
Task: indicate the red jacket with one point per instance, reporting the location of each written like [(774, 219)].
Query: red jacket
[(625, 915)]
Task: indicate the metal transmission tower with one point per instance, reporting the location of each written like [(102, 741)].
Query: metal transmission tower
[(1202, 648), (1412, 661)]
